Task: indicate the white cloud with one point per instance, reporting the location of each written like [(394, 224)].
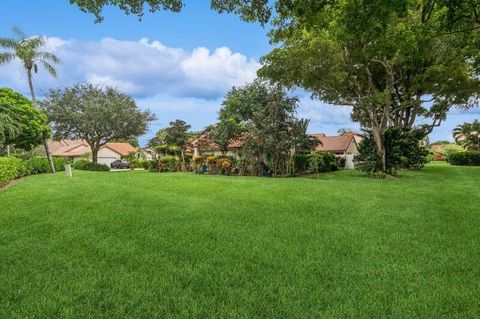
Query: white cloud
[(140, 68)]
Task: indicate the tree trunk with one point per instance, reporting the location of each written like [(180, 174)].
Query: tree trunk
[(34, 102), (94, 155), (380, 142), (182, 154)]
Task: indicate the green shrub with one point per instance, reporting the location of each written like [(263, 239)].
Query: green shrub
[(85, 165), (402, 147), (301, 163), (140, 163), (321, 162), (10, 168), (40, 165), (464, 158), (166, 163)]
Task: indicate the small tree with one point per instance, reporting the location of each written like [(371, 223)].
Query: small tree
[(177, 134), (96, 115), (21, 125)]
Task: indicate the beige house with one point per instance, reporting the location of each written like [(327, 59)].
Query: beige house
[(340, 145), (79, 149)]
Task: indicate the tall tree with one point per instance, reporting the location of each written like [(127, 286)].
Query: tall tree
[(468, 135), (29, 50), (177, 134), (94, 114), (263, 116), (391, 61)]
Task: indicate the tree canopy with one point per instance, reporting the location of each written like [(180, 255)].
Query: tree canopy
[(248, 10), (21, 125), (263, 117), (94, 114), (392, 61)]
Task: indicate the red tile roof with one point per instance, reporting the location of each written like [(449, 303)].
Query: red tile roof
[(121, 148), (334, 144), (75, 148)]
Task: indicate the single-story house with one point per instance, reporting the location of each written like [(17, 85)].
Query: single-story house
[(202, 144), (79, 149), (340, 145)]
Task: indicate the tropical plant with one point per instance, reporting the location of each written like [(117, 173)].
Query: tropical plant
[(29, 50), (468, 135)]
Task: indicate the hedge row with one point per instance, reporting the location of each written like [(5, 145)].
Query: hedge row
[(13, 167), (85, 165), (464, 158)]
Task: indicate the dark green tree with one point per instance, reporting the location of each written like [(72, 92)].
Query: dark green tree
[(96, 115), (21, 125), (391, 61), (177, 135)]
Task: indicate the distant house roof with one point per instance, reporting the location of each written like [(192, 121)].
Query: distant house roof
[(436, 148), (76, 148), (335, 144), (204, 141), (121, 148)]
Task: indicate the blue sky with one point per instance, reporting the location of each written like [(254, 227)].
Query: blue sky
[(177, 65)]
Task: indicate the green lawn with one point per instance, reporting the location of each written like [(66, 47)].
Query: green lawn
[(147, 245)]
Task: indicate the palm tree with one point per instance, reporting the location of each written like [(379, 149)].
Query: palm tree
[(468, 135), (29, 51)]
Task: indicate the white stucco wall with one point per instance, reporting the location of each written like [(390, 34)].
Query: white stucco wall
[(107, 156)]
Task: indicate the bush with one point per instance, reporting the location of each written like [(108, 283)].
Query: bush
[(403, 150), (140, 163), (464, 158), (85, 165), (321, 162), (166, 163), (301, 163), (10, 169)]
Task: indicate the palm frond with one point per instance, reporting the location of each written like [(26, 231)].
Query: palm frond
[(19, 33), (47, 56), (6, 57), (49, 68), (8, 43)]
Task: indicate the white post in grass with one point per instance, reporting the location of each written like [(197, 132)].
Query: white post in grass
[(349, 162), (68, 170)]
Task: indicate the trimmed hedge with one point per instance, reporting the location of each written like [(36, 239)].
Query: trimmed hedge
[(10, 169), (322, 162), (464, 158), (39, 165), (15, 167), (85, 165)]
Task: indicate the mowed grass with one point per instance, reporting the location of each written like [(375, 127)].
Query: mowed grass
[(147, 245)]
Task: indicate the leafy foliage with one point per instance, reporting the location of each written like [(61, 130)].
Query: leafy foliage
[(403, 150), (96, 115), (468, 135), (392, 61), (465, 158), (23, 126), (10, 168), (166, 164), (85, 165), (321, 162), (257, 10)]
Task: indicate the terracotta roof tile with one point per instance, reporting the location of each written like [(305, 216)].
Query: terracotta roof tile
[(338, 143)]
